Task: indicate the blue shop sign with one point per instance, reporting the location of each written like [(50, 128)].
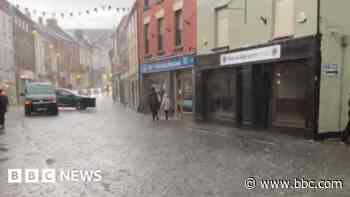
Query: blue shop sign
[(175, 63)]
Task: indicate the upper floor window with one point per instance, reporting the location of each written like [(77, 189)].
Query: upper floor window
[(222, 26), (160, 33), (178, 28), (284, 18), (146, 37), (146, 4)]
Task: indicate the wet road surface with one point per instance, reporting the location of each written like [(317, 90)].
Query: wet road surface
[(141, 159)]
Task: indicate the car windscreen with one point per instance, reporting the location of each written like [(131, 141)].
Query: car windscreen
[(39, 89)]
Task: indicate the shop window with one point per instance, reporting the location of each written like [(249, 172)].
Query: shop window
[(178, 28), (146, 4), (221, 98), (160, 33), (290, 93), (284, 18), (222, 27)]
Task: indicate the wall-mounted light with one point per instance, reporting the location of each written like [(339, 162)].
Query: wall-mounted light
[(302, 18), (263, 20)]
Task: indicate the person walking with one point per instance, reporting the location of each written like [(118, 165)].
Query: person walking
[(154, 103), (346, 132), (4, 102), (166, 106)]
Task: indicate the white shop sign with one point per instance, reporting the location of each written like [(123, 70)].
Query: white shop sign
[(331, 69), (253, 55)]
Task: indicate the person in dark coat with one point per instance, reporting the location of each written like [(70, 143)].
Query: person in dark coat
[(4, 102), (154, 103), (346, 132)]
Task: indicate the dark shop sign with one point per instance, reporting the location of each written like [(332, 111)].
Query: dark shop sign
[(175, 63)]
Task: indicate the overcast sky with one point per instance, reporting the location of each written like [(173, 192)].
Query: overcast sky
[(106, 19)]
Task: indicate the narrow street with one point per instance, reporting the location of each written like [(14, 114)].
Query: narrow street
[(141, 159)]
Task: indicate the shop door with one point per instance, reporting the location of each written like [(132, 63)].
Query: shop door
[(246, 92), (184, 93), (262, 90)]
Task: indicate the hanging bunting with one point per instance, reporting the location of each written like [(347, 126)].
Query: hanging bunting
[(72, 14)]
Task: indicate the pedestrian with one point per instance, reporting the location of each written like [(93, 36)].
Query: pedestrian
[(346, 132), (154, 103), (4, 102), (166, 105)]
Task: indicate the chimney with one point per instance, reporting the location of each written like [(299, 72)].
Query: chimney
[(40, 20), (51, 22)]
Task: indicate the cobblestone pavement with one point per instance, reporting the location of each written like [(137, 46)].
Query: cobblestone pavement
[(141, 159)]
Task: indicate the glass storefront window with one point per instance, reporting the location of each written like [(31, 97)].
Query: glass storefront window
[(290, 92)]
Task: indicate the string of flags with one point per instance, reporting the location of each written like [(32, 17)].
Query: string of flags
[(103, 8)]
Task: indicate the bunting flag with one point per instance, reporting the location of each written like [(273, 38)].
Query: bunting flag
[(62, 13)]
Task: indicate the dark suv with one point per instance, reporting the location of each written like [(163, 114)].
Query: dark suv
[(40, 97)]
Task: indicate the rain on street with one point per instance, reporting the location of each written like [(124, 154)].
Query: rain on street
[(140, 158)]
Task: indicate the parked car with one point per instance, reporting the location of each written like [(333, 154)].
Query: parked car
[(68, 98), (40, 97)]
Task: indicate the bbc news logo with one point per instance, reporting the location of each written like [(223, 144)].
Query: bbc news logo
[(52, 176)]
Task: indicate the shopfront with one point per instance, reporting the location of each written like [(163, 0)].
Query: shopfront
[(172, 76), (267, 86)]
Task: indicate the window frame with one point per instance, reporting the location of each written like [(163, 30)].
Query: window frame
[(160, 24), (280, 35), (178, 27)]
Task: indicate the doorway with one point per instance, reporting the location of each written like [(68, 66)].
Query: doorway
[(255, 96)]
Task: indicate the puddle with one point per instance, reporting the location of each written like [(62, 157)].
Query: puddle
[(50, 161), (2, 149), (106, 187)]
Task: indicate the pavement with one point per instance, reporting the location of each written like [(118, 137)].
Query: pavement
[(140, 158)]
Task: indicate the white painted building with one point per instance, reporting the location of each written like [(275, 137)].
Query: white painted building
[(7, 57)]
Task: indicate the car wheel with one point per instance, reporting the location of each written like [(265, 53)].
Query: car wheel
[(55, 112), (79, 106), (27, 112)]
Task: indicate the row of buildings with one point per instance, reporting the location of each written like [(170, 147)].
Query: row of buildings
[(263, 64), (41, 51)]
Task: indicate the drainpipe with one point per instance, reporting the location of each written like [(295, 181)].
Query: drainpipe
[(343, 45), (318, 71)]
